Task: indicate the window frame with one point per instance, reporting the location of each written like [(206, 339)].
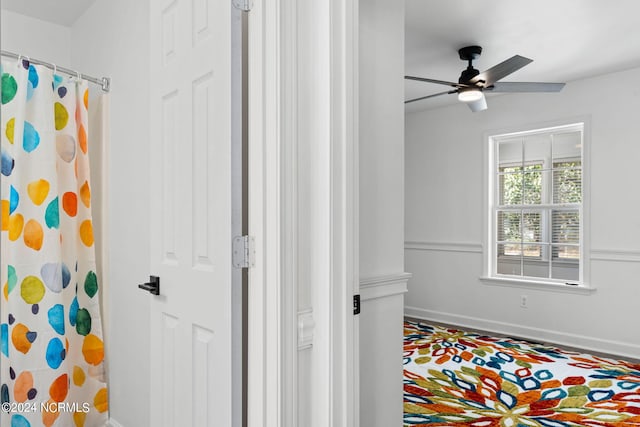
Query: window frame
[(490, 255)]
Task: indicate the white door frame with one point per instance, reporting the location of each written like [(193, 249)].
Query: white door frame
[(273, 331)]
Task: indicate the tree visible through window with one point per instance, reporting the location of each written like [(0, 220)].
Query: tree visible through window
[(537, 205), (519, 186)]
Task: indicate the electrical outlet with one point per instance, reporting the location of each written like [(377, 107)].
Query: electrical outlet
[(523, 301)]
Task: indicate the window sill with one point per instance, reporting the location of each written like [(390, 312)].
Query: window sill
[(537, 285)]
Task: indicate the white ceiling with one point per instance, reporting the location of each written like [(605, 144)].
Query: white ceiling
[(567, 39), (62, 12)]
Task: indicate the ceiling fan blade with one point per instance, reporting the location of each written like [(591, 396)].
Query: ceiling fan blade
[(440, 82), (479, 105), (525, 87), (430, 96), (501, 70)]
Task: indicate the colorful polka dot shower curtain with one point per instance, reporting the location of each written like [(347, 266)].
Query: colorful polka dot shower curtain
[(52, 352)]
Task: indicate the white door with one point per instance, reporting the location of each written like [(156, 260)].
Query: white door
[(191, 213)]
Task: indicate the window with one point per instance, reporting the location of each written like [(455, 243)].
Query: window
[(536, 205)]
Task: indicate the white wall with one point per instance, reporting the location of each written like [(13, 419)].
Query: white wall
[(445, 218), (111, 39), (381, 206), (381, 137), (36, 38)]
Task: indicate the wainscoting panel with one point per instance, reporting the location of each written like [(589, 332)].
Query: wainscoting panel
[(381, 336)]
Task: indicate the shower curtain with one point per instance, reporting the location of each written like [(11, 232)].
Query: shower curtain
[(51, 344)]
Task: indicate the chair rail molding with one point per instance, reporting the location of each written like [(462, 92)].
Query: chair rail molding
[(470, 247), (383, 286), (619, 255), (596, 254)]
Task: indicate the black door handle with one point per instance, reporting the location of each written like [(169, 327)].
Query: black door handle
[(152, 286)]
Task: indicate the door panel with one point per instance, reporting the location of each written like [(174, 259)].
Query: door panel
[(190, 219)]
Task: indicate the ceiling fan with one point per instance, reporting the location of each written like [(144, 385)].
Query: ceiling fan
[(472, 83)]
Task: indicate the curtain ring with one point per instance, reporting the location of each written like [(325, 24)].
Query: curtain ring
[(79, 76), (55, 69), (23, 58)]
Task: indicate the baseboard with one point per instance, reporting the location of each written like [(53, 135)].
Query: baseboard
[(113, 423), (617, 348)]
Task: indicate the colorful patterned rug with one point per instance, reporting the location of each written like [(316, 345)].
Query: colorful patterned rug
[(457, 378)]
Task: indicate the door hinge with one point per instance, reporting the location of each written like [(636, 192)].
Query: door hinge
[(356, 304), (244, 5), (244, 252)]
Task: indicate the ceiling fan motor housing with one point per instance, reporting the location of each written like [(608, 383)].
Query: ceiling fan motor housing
[(467, 75), (469, 53)]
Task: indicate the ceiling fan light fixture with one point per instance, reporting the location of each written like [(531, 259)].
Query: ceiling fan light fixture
[(472, 83), (479, 105), (470, 95)]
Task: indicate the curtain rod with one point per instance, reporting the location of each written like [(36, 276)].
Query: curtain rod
[(104, 82)]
